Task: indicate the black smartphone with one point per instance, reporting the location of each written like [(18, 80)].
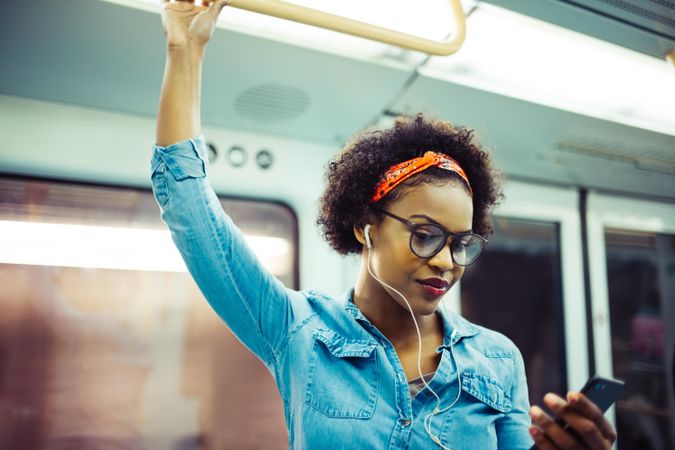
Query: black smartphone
[(603, 392)]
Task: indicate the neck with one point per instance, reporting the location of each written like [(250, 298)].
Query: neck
[(390, 315)]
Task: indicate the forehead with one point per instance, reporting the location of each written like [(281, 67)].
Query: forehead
[(448, 204)]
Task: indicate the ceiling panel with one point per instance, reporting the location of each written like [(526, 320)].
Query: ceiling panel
[(108, 56)]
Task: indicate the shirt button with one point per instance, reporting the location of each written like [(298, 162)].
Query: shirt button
[(405, 422)]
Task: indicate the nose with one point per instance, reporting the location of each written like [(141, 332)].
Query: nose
[(443, 259)]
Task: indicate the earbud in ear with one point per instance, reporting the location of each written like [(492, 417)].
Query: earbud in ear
[(366, 232)]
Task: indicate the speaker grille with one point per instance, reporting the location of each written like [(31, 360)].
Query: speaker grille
[(650, 159), (272, 102)]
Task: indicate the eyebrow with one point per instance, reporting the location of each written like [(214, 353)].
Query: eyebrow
[(424, 216)]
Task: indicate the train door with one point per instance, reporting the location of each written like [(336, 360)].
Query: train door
[(528, 284), (632, 266)]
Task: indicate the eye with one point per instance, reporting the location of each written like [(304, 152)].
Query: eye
[(427, 232), (465, 240), (421, 234)]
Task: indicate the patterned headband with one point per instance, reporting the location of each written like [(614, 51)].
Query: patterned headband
[(400, 172)]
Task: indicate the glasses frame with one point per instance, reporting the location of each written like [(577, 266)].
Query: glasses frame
[(412, 226)]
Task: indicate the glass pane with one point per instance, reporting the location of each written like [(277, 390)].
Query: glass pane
[(97, 357), (515, 288), (640, 288)]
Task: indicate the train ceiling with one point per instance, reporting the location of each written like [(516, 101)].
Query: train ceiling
[(107, 55)]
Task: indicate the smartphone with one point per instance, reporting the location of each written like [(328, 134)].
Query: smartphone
[(603, 392)]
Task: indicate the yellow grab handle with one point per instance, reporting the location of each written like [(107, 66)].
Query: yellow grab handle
[(670, 57), (297, 13)]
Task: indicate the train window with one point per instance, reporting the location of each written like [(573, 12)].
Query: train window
[(640, 287), (515, 288), (105, 341)]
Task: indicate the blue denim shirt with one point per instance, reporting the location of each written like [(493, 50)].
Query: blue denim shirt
[(342, 384)]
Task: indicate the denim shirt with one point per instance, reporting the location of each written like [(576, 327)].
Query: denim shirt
[(341, 381)]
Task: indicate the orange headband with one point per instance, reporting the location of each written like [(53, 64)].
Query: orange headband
[(400, 172)]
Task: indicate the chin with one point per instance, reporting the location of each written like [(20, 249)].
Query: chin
[(423, 307)]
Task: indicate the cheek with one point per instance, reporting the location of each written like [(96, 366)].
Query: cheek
[(397, 259)]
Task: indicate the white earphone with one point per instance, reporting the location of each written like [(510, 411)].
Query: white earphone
[(366, 231)]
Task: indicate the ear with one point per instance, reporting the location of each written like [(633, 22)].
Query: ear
[(360, 235)]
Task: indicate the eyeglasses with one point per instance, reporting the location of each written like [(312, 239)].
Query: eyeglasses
[(427, 239)]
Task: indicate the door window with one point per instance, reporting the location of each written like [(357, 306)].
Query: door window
[(641, 275)]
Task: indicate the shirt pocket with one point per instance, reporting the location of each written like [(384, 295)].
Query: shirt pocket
[(471, 422), (343, 376), (488, 390)]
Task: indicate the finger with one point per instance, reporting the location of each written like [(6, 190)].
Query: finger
[(177, 6), (540, 440), (582, 428), (554, 431), (586, 407), (586, 431), (217, 6)]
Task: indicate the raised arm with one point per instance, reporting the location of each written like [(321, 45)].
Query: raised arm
[(188, 29), (253, 303)]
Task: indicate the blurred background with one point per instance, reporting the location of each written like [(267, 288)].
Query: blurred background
[(105, 341)]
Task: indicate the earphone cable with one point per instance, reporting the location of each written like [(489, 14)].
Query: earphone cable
[(427, 426)]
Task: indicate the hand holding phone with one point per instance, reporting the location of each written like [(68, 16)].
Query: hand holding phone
[(603, 392)]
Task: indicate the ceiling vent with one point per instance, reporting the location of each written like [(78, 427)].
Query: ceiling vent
[(649, 159), (654, 16), (272, 103)]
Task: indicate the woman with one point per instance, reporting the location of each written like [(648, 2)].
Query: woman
[(382, 368)]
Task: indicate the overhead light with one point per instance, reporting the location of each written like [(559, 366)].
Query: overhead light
[(518, 56), (431, 22), (65, 245)]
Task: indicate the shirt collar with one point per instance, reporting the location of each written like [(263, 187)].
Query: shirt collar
[(464, 328)]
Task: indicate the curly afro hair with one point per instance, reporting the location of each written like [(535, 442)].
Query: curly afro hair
[(353, 174)]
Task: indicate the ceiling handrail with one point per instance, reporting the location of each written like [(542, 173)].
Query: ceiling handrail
[(670, 57), (322, 19)]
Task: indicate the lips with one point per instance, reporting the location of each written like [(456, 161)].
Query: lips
[(434, 288), (437, 283)]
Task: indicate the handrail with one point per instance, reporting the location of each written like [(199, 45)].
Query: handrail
[(309, 16), (670, 57)]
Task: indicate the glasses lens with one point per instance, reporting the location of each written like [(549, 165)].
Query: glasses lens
[(466, 248), (427, 240)]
